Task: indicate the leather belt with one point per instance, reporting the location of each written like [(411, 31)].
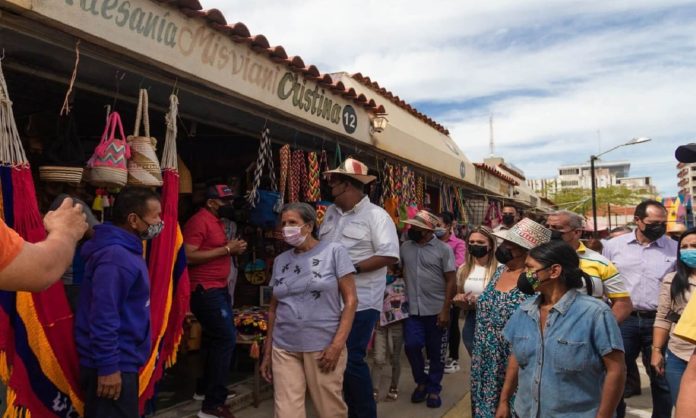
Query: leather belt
[(644, 314)]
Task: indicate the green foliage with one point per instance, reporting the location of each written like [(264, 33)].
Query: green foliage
[(580, 200)]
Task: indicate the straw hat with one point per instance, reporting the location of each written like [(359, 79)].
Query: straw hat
[(355, 169), (526, 233), (425, 220)]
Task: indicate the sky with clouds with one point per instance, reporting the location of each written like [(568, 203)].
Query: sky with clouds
[(562, 79)]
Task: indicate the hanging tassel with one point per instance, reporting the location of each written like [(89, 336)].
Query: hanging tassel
[(98, 204), (254, 351)]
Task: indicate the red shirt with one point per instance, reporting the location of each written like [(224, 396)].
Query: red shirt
[(207, 232)]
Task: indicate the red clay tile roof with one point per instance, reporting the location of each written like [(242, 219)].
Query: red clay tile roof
[(239, 33), (399, 102), (497, 173)]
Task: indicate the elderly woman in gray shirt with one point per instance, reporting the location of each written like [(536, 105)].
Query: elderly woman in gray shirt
[(307, 327)]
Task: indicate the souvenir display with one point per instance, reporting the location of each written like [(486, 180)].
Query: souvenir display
[(143, 167), (108, 165)]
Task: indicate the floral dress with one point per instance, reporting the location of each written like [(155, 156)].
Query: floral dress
[(490, 357)]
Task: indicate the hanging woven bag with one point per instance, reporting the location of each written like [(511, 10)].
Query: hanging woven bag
[(65, 156), (108, 165), (143, 167)]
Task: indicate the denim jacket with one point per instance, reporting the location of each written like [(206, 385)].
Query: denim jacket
[(562, 373)]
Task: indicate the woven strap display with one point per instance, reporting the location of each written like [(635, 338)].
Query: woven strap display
[(265, 158), (313, 186), (398, 190), (323, 161), (11, 150), (388, 182), (298, 177), (285, 156), (169, 155), (420, 192)]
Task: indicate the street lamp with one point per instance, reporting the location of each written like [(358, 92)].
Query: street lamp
[(634, 141)]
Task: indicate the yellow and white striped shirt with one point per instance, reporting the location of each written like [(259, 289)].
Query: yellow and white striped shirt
[(606, 280)]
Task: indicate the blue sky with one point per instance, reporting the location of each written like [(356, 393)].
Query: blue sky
[(562, 79)]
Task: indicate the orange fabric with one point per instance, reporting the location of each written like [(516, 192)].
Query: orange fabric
[(10, 244)]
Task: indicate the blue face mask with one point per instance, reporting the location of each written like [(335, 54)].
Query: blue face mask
[(440, 233), (688, 257)]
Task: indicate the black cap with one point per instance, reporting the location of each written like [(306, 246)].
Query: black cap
[(686, 153)]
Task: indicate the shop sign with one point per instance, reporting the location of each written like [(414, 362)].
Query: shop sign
[(167, 36)]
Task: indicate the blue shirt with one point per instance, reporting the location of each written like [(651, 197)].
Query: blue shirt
[(642, 267), (562, 373)]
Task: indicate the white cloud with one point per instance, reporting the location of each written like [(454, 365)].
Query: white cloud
[(552, 73)]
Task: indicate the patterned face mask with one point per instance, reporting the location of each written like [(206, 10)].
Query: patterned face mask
[(152, 231)]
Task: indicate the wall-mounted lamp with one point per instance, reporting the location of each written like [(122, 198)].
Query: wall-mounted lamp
[(379, 122)]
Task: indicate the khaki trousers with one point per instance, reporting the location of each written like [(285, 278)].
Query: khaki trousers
[(295, 373)]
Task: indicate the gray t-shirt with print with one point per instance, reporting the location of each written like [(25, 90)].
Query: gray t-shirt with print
[(309, 302)]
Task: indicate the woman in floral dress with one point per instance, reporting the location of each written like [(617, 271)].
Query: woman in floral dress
[(494, 308)]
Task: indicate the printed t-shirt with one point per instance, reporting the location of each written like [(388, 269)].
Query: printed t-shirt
[(475, 282)]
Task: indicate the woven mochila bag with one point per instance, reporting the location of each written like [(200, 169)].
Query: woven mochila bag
[(107, 166), (143, 167)]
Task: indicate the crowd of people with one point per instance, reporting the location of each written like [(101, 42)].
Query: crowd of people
[(552, 326)]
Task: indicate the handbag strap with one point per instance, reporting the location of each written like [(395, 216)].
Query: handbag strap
[(265, 158), (142, 114), (285, 159)]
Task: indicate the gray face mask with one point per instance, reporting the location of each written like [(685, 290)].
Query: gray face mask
[(152, 231)]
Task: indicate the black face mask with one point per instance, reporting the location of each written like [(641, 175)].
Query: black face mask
[(226, 211), (653, 232), (414, 235), (478, 251), (524, 284), (504, 255), (508, 220), (556, 235)]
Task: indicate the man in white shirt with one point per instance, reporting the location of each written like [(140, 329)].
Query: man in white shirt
[(369, 235)]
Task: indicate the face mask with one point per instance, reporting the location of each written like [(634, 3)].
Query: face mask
[(528, 282), (414, 235), (556, 235), (653, 232), (508, 219), (688, 257), (440, 233), (226, 212), (293, 235), (478, 251), (504, 255), (152, 231)]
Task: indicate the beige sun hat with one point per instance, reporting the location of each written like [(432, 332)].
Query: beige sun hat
[(355, 169), (425, 220), (526, 233)]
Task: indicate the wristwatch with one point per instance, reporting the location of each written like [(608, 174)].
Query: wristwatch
[(357, 269)]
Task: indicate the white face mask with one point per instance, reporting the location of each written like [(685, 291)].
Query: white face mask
[(293, 235)]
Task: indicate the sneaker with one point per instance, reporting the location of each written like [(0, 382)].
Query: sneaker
[(375, 394), (219, 412), (426, 369), (419, 394), (200, 396), (452, 366), (393, 394), (433, 401)]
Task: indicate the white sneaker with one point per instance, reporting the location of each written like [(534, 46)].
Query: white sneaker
[(451, 366), (426, 368), (201, 396)]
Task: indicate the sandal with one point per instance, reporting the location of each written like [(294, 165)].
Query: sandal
[(375, 394), (393, 394)]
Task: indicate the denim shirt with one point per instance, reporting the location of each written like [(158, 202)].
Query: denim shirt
[(562, 373)]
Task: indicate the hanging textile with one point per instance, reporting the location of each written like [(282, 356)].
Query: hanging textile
[(420, 192), (265, 204), (493, 216), (169, 283), (313, 185), (298, 177), (285, 157), (38, 359)]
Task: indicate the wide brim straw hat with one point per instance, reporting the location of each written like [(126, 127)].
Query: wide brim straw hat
[(355, 169), (425, 220), (526, 233)]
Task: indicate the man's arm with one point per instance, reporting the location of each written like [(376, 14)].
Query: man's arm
[(686, 403), (376, 262), (613, 383), (37, 266), (450, 290), (621, 308)]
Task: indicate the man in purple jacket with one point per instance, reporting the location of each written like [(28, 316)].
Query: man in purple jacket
[(112, 324)]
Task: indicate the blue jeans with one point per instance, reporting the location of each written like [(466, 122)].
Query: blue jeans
[(422, 332), (674, 369), (357, 383), (468, 331), (637, 339), (213, 310)]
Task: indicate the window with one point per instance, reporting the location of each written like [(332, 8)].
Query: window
[(569, 183), (569, 171)]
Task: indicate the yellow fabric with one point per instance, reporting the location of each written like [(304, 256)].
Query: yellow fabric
[(603, 272), (40, 346), (686, 327)]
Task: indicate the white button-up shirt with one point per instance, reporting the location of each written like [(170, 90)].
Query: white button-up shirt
[(365, 231)]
